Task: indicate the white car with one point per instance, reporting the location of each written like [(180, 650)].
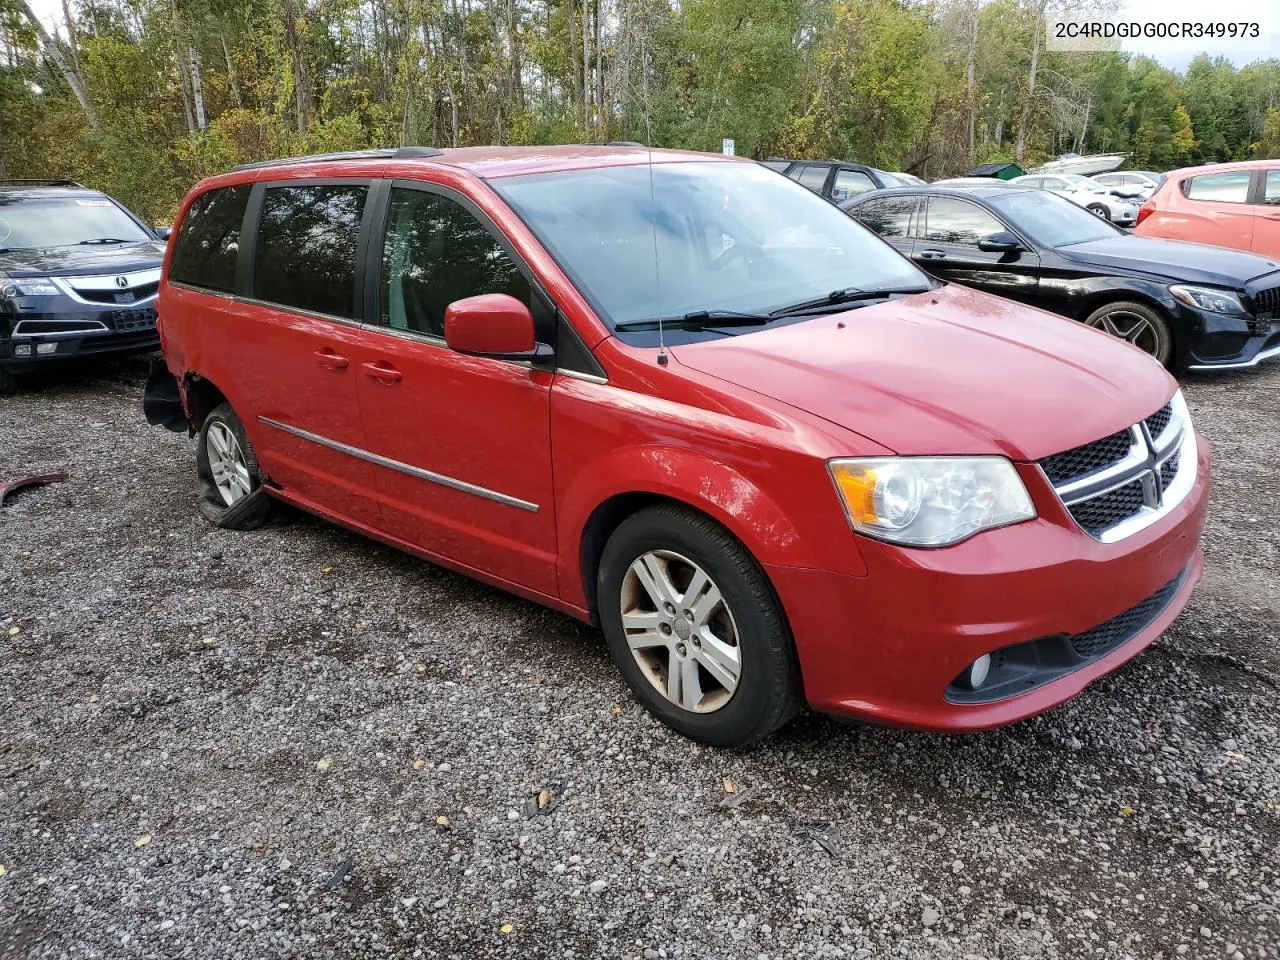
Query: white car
[(1138, 184), (1087, 193)]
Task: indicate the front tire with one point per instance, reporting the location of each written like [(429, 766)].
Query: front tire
[(694, 627), (8, 382), (1100, 209), (1136, 323), (231, 492)]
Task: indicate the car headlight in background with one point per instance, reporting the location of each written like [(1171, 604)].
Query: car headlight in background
[(930, 501), (1207, 298), (29, 288)]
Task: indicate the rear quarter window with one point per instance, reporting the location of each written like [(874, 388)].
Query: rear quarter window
[(208, 242), (1219, 187)]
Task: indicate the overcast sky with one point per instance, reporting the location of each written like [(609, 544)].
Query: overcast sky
[(1170, 53)]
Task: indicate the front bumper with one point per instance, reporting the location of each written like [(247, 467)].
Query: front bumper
[(33, 339), (1213, 341), (886, 647)]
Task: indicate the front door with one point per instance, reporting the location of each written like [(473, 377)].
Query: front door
[(298, 343), (947, 246), (464, 442)]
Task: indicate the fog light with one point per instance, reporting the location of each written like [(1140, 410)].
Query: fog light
[(977, 673), (22, 349), (43, 348)]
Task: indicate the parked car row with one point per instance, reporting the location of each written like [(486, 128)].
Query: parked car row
[(1189, 306)]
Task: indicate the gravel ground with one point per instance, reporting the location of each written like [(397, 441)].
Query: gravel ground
[(298, 743)]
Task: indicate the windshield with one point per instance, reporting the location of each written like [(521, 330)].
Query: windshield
[(30, 222), (1050, 219), (722, 236)]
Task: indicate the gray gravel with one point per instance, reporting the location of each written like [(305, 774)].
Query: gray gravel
[(298, 743)]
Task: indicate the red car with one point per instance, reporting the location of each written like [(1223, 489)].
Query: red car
[(688, 400), (1226, 204)]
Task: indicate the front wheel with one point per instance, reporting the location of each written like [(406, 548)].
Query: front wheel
[(1099, 209), (231, 493), (8, 382), (694, 626), (1138, 324)]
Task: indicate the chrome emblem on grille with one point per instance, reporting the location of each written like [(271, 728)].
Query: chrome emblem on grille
[(122, 282)]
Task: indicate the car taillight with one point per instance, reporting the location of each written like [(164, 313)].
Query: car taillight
[(1146, 210)]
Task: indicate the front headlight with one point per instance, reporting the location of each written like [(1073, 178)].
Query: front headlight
[(930, 501), (1207, 298), (29, 288)]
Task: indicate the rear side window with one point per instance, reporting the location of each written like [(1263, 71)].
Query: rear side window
[(208, 243), (1219, 187), (812, 177), (306, 254), (436, 252), (1271, 191), (958, 221), (890, 217), (850, 183)]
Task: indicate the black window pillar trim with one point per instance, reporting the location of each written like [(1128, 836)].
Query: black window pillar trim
[(249, 241)]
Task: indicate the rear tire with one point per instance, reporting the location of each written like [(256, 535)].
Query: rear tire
[(231, 492), (8, 382), (1100, 209), (730, 646), (1136, 323)]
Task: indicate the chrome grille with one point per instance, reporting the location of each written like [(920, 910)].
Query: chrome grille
[(1079, 461), (1267, 301), (1117, 485), (1159, 420), (130, 295), (1108, 509)]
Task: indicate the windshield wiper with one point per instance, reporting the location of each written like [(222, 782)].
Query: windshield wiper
[(82, 243), (702, 320), (838, 298)]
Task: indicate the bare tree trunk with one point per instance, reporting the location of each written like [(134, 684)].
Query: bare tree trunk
[(301, 70), (73, 40), (600, 118), (74, 80), (575, 75), (197, 91), (231, 72), (517, 65), (586, 64), (971, 72), (1024, 122)]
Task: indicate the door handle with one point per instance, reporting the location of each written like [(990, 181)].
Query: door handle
[(382, 371), (932, 255), (327, 358)]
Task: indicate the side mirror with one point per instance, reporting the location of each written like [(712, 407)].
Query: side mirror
[(163, 232), (1002, 242), (492, 325)]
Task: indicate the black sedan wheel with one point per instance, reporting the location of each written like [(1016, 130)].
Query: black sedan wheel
[(1137, 323)]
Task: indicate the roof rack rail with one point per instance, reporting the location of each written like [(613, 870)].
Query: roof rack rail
[(388, 153), (623, 143), (55, 182)]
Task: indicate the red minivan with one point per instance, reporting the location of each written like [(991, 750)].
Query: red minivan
[(686, 399)]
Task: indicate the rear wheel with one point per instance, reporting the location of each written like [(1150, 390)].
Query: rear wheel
[(1137, 323), (694, 626), (1100, 209), (231, 493)]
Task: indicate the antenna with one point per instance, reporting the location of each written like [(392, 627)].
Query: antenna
[(653, 202)]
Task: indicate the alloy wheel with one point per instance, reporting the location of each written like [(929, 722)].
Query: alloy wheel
[(227, 463), (1134, 328), (680, 631)]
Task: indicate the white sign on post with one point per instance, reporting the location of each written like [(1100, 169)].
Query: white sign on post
[(726, 147)]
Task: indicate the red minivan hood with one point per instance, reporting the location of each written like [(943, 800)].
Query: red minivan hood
[(952, 371)]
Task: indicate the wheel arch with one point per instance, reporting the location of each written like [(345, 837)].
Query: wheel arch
[(714, 490), (199, 397)]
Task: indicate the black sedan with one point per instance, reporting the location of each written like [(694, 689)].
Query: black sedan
[(1189, 305)]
